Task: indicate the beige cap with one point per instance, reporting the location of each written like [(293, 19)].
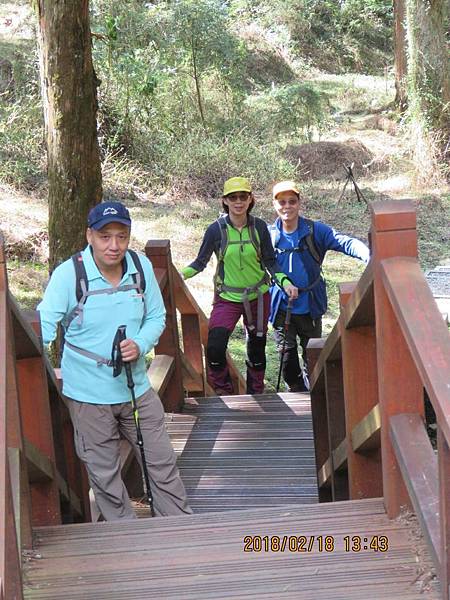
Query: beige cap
[(284, 186)]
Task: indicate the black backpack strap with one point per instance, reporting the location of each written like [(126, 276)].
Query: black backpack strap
[(222, 222), (81, 288), (139, 281), (80, 276), (310, 243), (253, 236)]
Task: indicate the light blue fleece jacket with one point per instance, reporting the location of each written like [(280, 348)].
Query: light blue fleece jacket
[(83, 380)]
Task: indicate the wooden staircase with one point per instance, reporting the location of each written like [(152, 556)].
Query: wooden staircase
[(202, 557), (239, 452)]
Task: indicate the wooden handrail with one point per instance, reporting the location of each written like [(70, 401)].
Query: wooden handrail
[(186, 327), (391, 343), (420, 472), (10, 574), (423, 329)]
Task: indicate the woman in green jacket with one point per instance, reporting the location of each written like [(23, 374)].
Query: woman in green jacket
[(246, 266)]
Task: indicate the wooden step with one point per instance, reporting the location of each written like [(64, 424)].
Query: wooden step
[(202, 557), (237, 452)]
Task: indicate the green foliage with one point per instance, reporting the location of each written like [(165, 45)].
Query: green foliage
[(21, 131), (336, 35), (177, 93), (185, 84), (206, 161), (297, 110), (21, 143)]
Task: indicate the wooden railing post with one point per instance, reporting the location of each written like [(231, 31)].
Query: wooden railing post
[(321, 433), (17, 460), (10, 573), (444, 512), (192, 345), (158, 251), (359, 362), (393, 233), (334, 390), (38, 429)]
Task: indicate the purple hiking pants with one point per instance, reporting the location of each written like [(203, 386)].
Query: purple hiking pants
[(223, 320)]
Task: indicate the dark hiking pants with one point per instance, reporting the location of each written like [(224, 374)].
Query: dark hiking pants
[(223, 320), (304, 328)]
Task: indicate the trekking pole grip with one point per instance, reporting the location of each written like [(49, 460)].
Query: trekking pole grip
[(121, 336), (289, 312)]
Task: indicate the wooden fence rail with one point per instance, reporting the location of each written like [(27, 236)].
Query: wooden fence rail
[(10, 574), (389, 346), (182, 346)]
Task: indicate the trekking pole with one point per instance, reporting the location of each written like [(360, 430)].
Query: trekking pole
[(121, 336), (287, 320), (358, 192)]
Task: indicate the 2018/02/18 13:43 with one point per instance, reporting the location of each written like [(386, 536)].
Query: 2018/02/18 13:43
[(357, 543)]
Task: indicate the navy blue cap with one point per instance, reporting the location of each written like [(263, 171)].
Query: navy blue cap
[(108, 212)]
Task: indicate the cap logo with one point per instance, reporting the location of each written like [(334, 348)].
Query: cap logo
[(109, 211)]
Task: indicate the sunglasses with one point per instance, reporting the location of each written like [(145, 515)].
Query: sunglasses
[(238, 196), (290, 201)]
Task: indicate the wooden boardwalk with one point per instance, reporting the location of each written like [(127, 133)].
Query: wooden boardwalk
[(247, 462), (202, 557), (237, 452)]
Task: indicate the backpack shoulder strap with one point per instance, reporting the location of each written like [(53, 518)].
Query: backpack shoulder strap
[(222, 222), (139, 278), (274, 236), (80, 275), (310, 243), (253, 236)]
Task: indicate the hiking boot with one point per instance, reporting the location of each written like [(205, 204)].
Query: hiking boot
[(299, 387), (221, 392)]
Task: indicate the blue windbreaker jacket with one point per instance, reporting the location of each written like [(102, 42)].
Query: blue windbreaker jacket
[(302, 268)]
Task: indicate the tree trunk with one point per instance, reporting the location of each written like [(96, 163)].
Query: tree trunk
[(428, 64), (70, 105), (400, 54), (197, 82)]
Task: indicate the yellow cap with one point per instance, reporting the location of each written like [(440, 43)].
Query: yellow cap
[(236, 184), (284, 186)]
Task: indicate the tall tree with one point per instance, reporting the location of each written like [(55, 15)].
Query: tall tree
[(70, 105), (428, 71), (401, 68)]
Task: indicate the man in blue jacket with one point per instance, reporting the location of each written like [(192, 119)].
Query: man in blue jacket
[(105, 286), (301, 245)]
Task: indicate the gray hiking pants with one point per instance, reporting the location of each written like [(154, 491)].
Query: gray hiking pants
[(97, 430)]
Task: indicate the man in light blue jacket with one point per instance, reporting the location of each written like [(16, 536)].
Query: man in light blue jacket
[(92, 294), (300, 245)]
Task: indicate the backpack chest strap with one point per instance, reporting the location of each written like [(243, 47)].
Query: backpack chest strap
[(100, 360), (78, 311), (245, 293)]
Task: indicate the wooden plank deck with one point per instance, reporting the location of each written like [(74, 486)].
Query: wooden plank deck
[(235, 453), (238, 452), (202, 557)]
